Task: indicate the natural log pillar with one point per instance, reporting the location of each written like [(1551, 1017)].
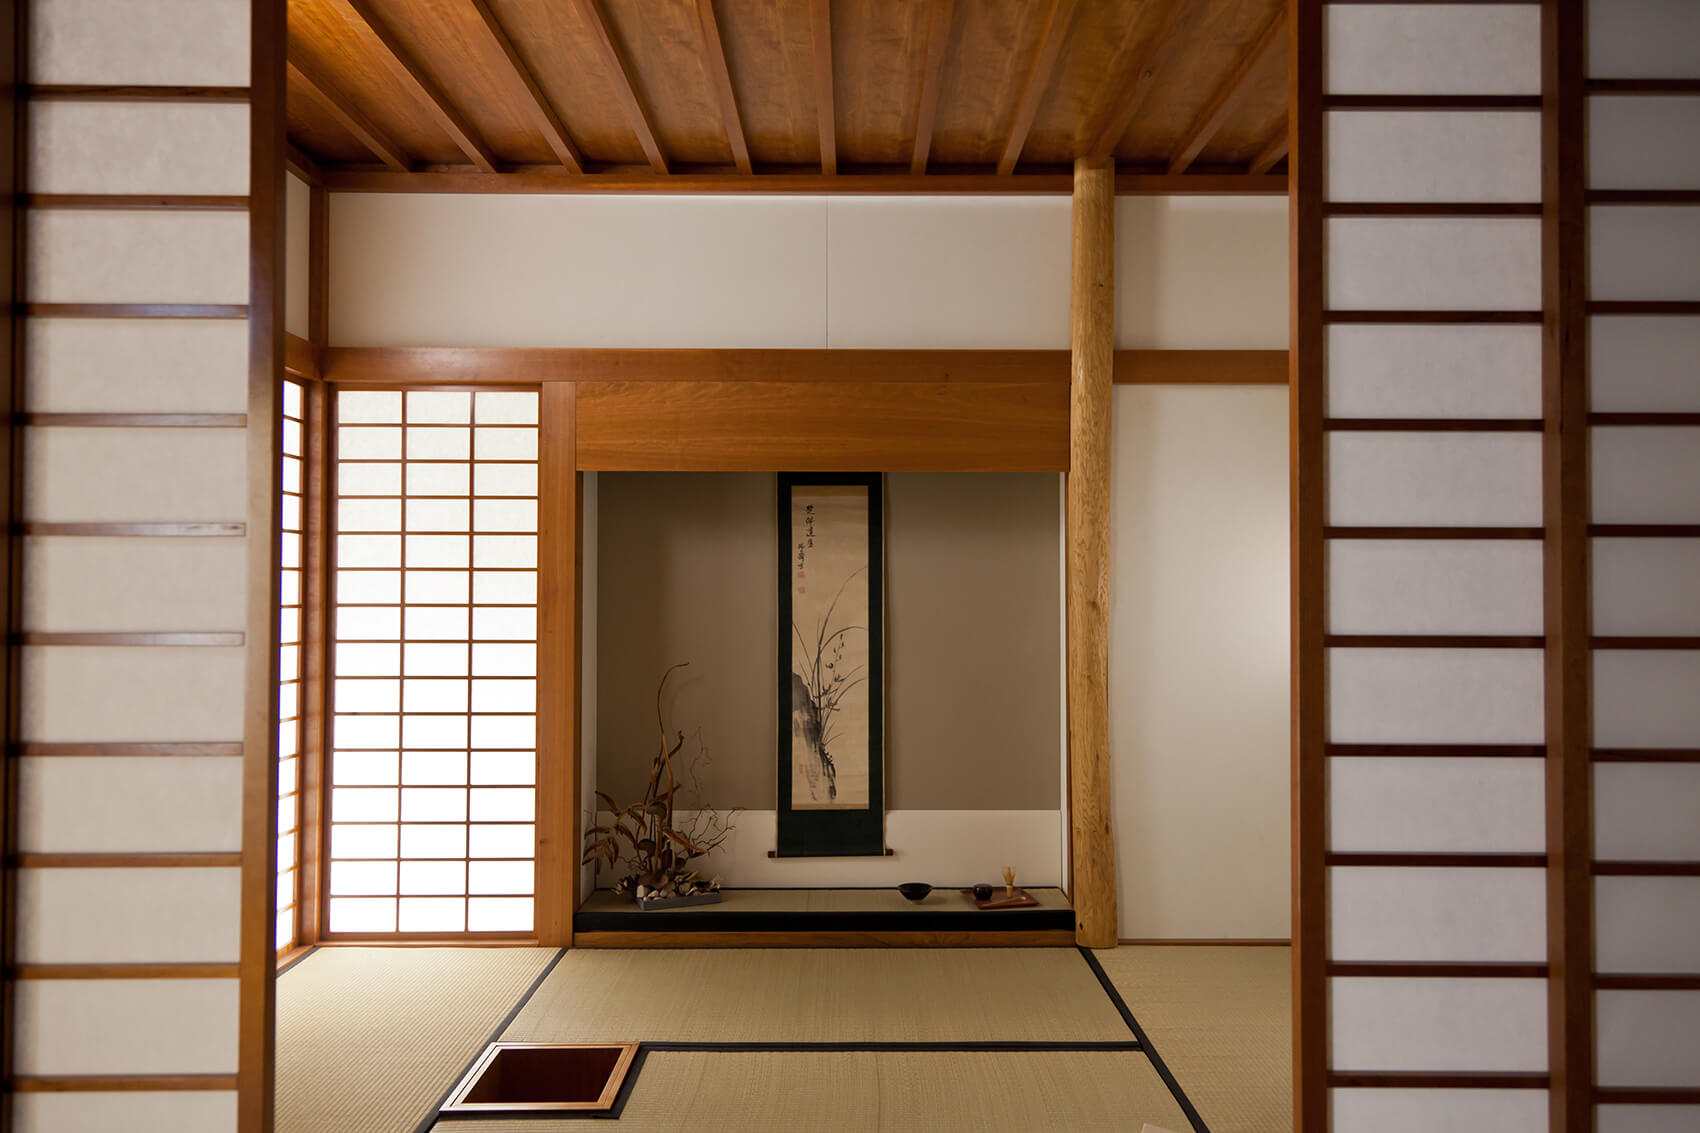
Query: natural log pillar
[(1092, 334)]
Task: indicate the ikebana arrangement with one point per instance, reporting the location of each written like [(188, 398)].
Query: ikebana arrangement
[(654, 839)]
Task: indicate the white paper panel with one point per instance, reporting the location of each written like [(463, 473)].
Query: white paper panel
[(139, 147), (1440, 915), (1434, 263), (1438, 1024), (1643, 143), (1645, 474), (1644, 252), (1423, 804), (201, 1111), (1647, 811), (1646, 587), (1473, 156), (83, 804), (77, 475), (1435, 696), (83, 256), (1434, 371), (1434, 479), (1644, 39), (1432, 49), (1646, 698), (1646, 924), (126, 1027), (131, 693), (90, 584), (1433, 586), (136, 365), (1643, 364), (1647, 1038), (165, 42), (1646, 1118), (1426, 1111), (110, 916)]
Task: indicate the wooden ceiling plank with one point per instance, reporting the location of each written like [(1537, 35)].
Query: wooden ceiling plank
[(938, 41), (1038, 79), (339, 107), (1215, 113), (1270, 154), (410, 75), (820, 20), (625, 87), (542, 113), (714, 62), (304, 166), (1133, 96)]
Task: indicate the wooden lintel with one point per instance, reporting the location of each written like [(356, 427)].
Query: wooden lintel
[(623, 84), (1038, 79), (844, 182), (543, 115), (714, 63), (300, 357), (1211, 118)]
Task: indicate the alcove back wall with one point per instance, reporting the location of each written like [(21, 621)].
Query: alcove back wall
[(686, 572)]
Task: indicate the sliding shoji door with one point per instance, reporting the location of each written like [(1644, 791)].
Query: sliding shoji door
[(1420, 630), (1643, 278)]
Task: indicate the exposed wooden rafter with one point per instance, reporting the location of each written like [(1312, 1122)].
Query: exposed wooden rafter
[(323, 92), (938, 41), (1038, 79), (1216, 112), (625, 88), (547, 121), (1271, 154), (826, 112), (412, 77), (304, 166), (714, 62), (1133, 96)]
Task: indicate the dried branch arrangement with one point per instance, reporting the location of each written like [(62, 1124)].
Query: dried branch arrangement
[(651, 840)]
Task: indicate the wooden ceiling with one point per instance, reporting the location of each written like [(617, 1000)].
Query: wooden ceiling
[(828, 95)]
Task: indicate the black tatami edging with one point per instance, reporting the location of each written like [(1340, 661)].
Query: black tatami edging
[(298, 959), (1162, 1068)]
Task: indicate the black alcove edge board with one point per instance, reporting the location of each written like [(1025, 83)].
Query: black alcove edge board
[(991, 1046), (895, 920), (310, 950), (1157, 1062)]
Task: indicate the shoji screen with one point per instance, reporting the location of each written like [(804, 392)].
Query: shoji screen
[(1418, 298), (291, 598), (137, 541), (1643, 219), (434, 735)]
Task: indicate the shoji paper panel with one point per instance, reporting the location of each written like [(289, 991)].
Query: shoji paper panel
[(1432, 49), (1438, 1024), (1647, 1119), (1647, 811), (139, 147), (168, 42), (1435, 696), (210, 1111), (1434, 479), (1434, 155), (1646, 475), (1434, 586), (1467, 804), (1646, 924), (1643, 143), (1439, 915), (1646, 587), (126, 1027), (136, 365), (130, 805), (94, 585), (1434, 371), (98, 916), (1648, 1038), (1439, 264), (133, 475), (1424, 1111), (131, 693), (1648, 39), (1643, 364), (116, 256), (1647, 698), (1644, 252)]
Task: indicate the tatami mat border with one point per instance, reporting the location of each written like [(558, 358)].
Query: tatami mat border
[(1144, 1041)]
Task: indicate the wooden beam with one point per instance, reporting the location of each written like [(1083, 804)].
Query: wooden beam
[(304, 166), (1132, 97), (880, 182), (1271, 153), (624, 86), (558, 675), (1216, 112), (938, 42), (413, 77), (322, 91), (1092, 330), (826, 114), (300, 358), (714, 62), (1038, 80), (543, 115)]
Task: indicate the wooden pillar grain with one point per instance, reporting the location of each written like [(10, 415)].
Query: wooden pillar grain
[(560, 531), (1092, 333)]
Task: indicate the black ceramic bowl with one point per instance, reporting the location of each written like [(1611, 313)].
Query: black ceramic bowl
[(982, 892), (915, 890)]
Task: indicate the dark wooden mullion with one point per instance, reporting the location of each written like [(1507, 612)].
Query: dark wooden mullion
[(1432, 425), (1436, 861), (1437, 751), (1431, 641), (1435, 533)]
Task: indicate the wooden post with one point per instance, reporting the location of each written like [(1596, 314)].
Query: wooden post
[(1092, 333)]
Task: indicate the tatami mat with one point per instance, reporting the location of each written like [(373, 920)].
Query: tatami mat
[(368, 1039), (880, 1092), (820, 995), (1221, 1019)]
